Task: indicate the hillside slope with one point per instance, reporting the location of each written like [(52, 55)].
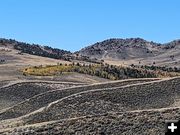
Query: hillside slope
[(13, 61), (45, 98), (148, 95), (12, 94), (147, 122), (130, 109), (34, 49)]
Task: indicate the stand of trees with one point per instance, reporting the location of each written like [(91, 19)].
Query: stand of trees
[(157, 68), (101, 70)]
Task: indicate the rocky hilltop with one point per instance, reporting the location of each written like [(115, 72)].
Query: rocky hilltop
[(122, 48)]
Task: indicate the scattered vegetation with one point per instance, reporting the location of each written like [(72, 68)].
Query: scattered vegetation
[(101, 70), (31, 105), (128, 123), (18, 92), (156, 68)]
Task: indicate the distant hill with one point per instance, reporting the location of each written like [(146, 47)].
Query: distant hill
[(36, 49), (121, 49), (136, 49), (44, 51)]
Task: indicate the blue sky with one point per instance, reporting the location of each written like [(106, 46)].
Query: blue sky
[(73, 24)]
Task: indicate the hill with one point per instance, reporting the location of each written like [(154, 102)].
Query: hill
[(112, 51), (134, 51), (129, 109), (35, 49), (44, 51), (121, 48), (13, 61)]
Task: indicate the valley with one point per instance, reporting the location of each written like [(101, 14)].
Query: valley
[(117, 86)]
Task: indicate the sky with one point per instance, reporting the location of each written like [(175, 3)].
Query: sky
[(74, 24)]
